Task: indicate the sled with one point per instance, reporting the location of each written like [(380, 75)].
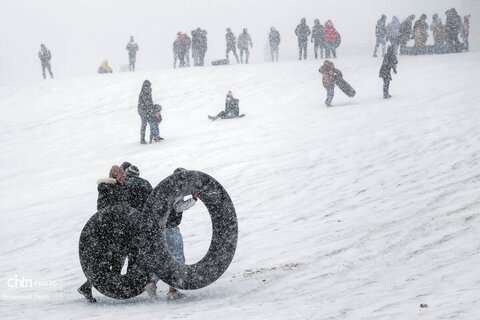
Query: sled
[(344, 86), (239, 116), (220, 62)]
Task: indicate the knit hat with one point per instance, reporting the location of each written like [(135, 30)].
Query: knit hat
[(132, 171), (125, 165), (117, 173)]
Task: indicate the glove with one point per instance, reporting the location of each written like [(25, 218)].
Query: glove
[(395, 71), (195, 196)]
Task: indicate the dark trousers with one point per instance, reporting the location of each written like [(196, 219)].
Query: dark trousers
[(154, 131), (274, 52), (234, 50), (47, 66), (330, 50), (131, 63), (302, 46), (143, 127), (316, 47), (247, 53), (380, 41), (386, 85), (181, 57)]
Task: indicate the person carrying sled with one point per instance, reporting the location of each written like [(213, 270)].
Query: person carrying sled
[(302, 31), (132, 48), (231, 44), (231, 108), (380, 34), (104, 67), (174, 240), (45, 57), (318, 38), (274, 40), (244, 40), (328, 72), (111, 192), (389, 63)]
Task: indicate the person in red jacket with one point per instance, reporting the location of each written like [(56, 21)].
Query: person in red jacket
[(328, 71), (331, 39)]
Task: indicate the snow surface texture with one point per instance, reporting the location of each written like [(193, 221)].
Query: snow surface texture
[(363, 210)]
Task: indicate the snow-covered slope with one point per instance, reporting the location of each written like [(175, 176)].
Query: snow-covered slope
[(363, 210)]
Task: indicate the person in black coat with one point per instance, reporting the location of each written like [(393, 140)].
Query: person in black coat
[(231, 44), (453, 26), (146, 110), (137, 189), (380, 34), (318, 38), (111, 192), (45, 57), (231, 108), (302, 31), (389, 62)]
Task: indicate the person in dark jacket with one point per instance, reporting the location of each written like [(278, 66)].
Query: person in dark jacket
[(45, 57), (318, 38), (154, 120), (132, 48), (453, 26), (179, 50), (174, 239), (302, 31), (380, 34), (406, 32), (389, 63), (231, 44), (438, 32), (328, 72), (111, 192), (420, 29), (137, 189), (231, 108), (393, 33), (274, 40), (146, 110), (244, 40)]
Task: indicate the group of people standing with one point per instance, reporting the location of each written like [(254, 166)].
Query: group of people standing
[(445, 37), (124, 187), (325, 39), (182, 45)]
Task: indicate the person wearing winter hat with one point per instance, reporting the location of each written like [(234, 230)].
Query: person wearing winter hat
[(179, 50), (328, 71), (137, 189), (302, 31), (231, 108), (111, 192), (174, 239)]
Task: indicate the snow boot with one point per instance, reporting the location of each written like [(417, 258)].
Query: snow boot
[(86, 291)]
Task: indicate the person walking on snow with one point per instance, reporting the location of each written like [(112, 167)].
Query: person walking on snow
[(243, 41), (318, 38), (302, 31), (328, 72), (381, 34), (111, 192), (231, 44), (174, 240), (389, 63), (274, 39), (331, 39), (45, 57), (132, 48)]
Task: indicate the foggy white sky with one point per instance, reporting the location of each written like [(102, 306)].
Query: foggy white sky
[(80, 34)]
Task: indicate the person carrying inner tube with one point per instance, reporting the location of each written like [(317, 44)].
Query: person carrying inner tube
[(174, 240)]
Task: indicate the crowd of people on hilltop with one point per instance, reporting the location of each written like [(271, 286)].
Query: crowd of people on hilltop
[(325, 38), (445, 36)]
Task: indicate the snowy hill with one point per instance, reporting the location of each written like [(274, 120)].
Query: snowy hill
[(363, 210)]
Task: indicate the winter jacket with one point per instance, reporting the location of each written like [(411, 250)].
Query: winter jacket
[(244, 40), (145, 101), (188, 41), (328, 71), (274, 38), (389, 62), (422, 26), (406, 32), (331, 33), (393, 29), (453, 25), (180, 45), (137, 191), (105, 68), (110, 193), (132, 48), (466, 29), (380, 29), (318, 35), (303, 32), (230, 38), (45, 56), (176, 214), (231, 107)]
